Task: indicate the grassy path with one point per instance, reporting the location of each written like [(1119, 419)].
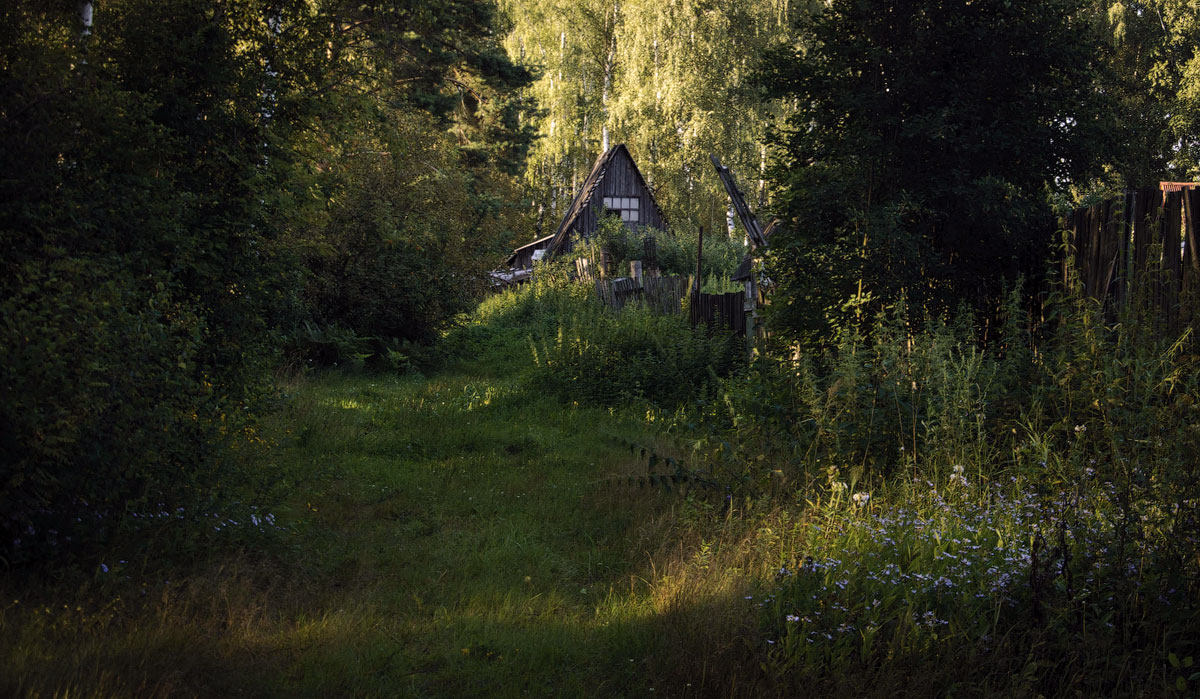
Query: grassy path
[(468, 534), (460, 535), (480, 548)]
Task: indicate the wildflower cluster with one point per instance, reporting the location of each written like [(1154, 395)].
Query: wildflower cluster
[(906, 578), (251, 519), (910, 575)]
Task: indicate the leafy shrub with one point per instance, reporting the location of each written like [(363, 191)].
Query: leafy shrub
[(608, 357), (137, 285), (675, 250), (389, 263), (500, 327), (114, 408)]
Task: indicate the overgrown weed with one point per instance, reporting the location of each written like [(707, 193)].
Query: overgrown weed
[(1026, 511)]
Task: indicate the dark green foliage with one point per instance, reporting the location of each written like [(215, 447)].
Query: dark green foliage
[(136, 283), (586, 353), (1115, 415), (399, 197), (390, 260), (442, 58), (188, 181), (916, 161)]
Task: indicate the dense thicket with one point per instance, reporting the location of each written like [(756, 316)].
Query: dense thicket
[(930, 142), (185, 184), (137, 282), (923, 138)]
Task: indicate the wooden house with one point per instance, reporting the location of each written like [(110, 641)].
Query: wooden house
[(614, 185)]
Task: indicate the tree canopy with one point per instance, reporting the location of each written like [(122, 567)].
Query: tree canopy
[(923, 138), (670, 80), (188, 188)]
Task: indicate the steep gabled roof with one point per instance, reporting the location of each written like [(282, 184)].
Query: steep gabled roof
[(584, 196), (535, 242)]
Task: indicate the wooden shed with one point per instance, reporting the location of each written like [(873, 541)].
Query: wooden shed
[(614, 185)]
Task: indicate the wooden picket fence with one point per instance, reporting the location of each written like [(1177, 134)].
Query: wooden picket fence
[(1141, 246), (665, 294), (617, 293)]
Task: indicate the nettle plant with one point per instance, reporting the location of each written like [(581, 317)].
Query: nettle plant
[(882, 401), (636, 353), (1114, 423)]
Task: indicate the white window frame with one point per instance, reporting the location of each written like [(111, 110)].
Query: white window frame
[(628, 208)]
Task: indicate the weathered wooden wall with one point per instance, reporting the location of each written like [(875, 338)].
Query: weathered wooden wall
[(619, 179), (1140, 246)]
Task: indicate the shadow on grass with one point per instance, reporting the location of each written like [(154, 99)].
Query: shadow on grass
[(253, 629), (447, 537)]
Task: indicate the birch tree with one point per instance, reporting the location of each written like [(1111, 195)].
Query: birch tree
[(670, 80)]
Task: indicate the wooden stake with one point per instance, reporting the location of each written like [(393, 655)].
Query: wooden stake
[(699, 281)]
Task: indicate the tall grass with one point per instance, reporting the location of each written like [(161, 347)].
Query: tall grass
[(1028, 512), (607, 357), (582, 352)]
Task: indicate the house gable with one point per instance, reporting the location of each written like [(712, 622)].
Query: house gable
[(616, 184)]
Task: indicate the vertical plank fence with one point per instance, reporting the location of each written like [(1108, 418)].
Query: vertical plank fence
[(1142, 247), (727, 310), (665, 294)]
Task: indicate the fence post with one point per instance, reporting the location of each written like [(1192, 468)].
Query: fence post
[(748, 307), (650, 255), (695, 317), (1172, 256)]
